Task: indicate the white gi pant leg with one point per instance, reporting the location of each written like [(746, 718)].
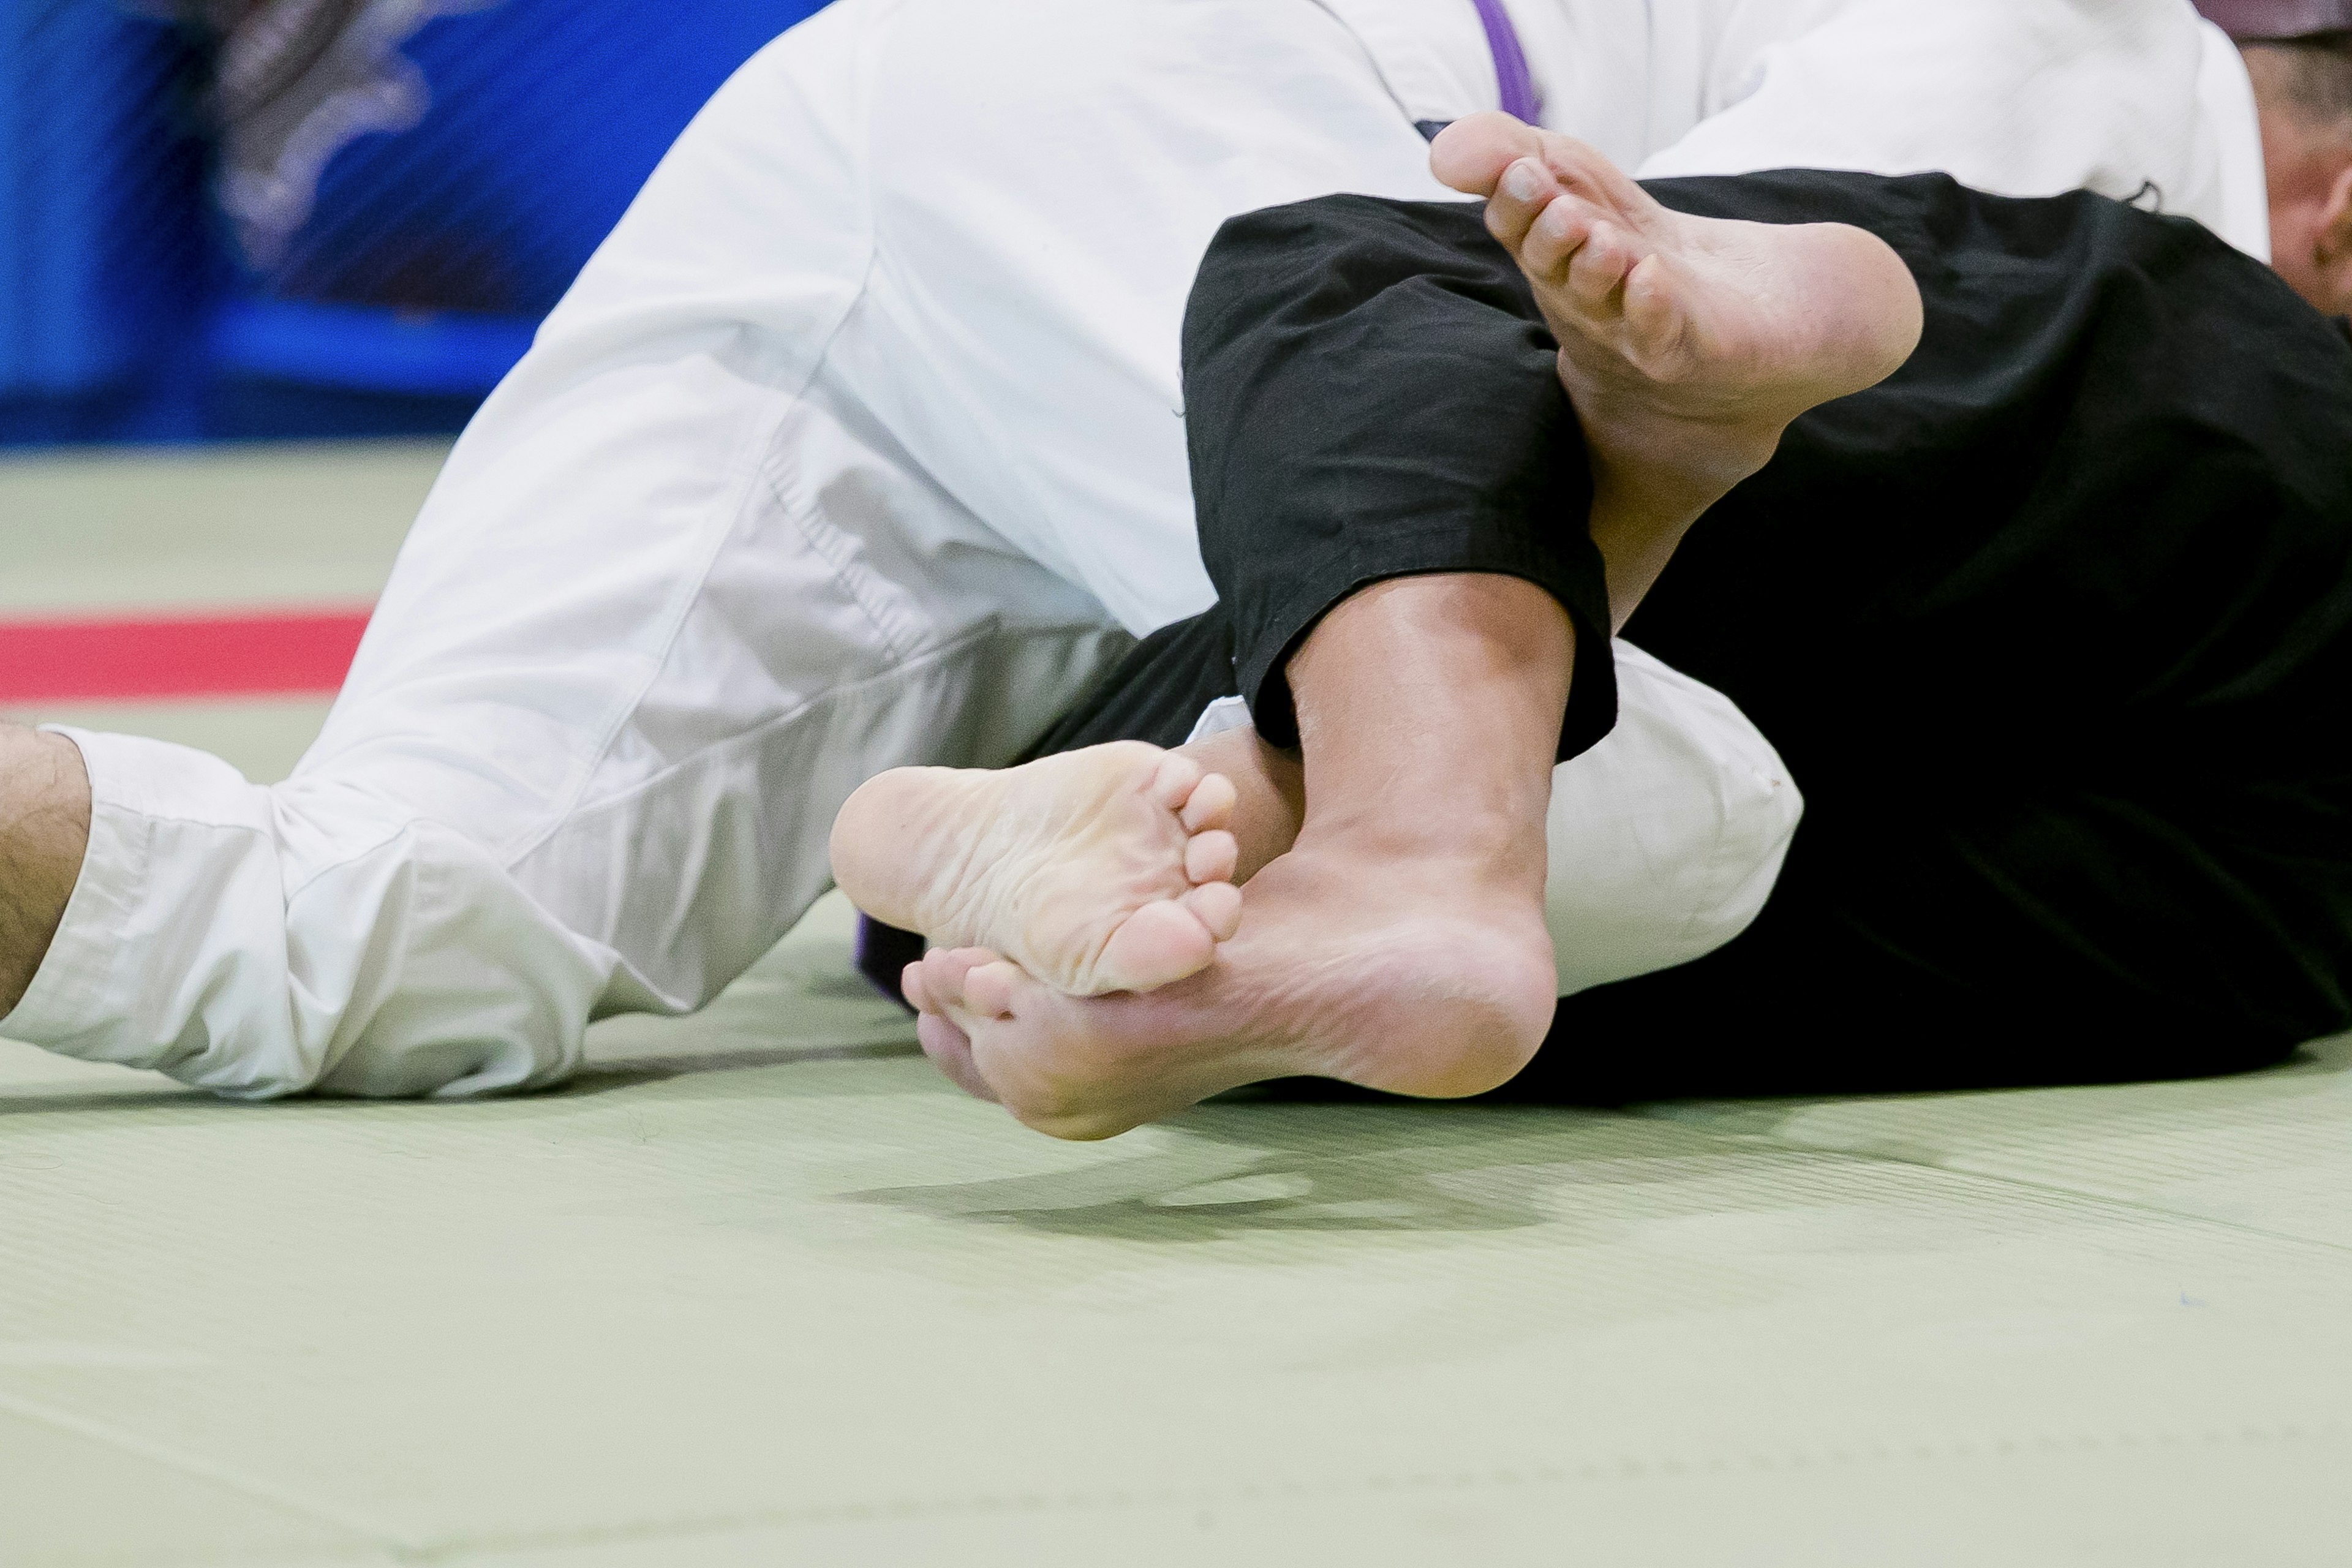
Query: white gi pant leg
[(674, 597)]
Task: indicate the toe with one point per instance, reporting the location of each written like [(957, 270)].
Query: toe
[(1218, 906), (944, 970), (1158, 944), (1600, 266), (1174, 784), (949, 1049), (1583, 170), (910, 986), (988, 989), (1210, 803), (1472, 154), (1211, 857), (1524, 192), (1556, 238), (1651, 311)]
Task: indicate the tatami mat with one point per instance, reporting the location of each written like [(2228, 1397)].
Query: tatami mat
[(763, 1289), (2267, 1152), (207, 527)]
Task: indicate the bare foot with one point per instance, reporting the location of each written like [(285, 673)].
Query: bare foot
[(1444, 989), (1687, 343), (1103, 869)]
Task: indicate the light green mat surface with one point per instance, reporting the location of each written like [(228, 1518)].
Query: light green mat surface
[(206, 527), (761, 1289)]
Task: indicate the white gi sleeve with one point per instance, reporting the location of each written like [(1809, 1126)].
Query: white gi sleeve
[(2128, 98)]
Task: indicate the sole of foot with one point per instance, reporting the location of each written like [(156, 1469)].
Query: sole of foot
[(1687, 343), (1097, 871), (1445, 991)]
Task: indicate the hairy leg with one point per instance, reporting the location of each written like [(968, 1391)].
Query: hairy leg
[(44, 830)]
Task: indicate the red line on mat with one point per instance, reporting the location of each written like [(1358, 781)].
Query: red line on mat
[(268, 655)]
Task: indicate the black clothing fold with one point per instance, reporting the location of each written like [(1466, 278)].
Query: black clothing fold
[(1365, 398), (2053, 627)]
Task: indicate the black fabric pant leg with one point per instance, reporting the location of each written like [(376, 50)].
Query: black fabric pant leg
[(1369, 398), (1813, 999), (1819, 997), (2052, 627), (1158, 692)]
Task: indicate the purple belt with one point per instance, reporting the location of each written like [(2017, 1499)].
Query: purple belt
[(884, 951), (1516, 88)]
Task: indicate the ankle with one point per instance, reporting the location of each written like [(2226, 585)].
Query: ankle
[(1674, 468), (1477, 848)]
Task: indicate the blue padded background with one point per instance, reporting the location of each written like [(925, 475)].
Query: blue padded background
[(127, 312), (101, 250), (546, 117)]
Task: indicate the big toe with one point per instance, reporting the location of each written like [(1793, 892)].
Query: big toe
[(941, 976), (949, 1049), (1472, 154)]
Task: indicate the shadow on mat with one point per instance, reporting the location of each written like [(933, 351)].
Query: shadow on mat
[(630, 1072), (1313, 1156), (595, 1079), (1251, 1168), (36, 1102)]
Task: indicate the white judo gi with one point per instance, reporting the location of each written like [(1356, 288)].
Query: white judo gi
[(859, 443)]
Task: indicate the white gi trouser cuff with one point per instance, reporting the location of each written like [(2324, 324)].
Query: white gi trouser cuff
[(203, 940), (1663, 840)]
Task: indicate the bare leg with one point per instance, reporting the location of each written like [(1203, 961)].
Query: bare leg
[(1270, 795), (1400, 944), (44, 830)]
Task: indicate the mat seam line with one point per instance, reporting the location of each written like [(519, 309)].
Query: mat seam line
[(2022, 1183), (1210, 1495), (377, 1535)]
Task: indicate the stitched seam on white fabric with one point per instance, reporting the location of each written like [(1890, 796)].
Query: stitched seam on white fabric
[(918, 665), (901, 641), (214, 826), (832, 544), (1719, 867), (1721, 870), (681, 606), (690, 594), (36, 1003), (1370, 58), (210, 824), (406, 826)]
